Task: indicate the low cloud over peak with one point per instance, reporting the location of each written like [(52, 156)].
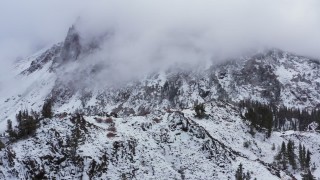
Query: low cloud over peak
[(161, 33)]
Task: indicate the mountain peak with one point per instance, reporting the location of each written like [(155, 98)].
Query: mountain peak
[(71, 47)]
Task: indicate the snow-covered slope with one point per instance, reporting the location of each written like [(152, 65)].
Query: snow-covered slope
[(163, 145), (155, 135)]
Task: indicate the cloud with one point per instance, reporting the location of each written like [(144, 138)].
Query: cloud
[(231, 25), (150, 34)]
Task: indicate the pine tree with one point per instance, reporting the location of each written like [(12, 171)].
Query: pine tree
[(251, 116), (290, 154), (301, 157), (308, 159), (284, 156), (281, 158), (239, 173), (1, 146), (307, 176), (27, 125), (304, 157), (11, 132), (19, 117), (268, 121), (47, 109), (9, 125), (200, 110), (247, 176)]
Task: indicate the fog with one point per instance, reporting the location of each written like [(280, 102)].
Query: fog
[(149, 34)]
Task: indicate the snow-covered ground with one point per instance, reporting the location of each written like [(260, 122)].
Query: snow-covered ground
[(177, 145)]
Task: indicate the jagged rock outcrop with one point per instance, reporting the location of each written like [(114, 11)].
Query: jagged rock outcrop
[(71, 47), (50, 55)]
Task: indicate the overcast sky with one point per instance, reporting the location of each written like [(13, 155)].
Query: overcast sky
[(182, 29)]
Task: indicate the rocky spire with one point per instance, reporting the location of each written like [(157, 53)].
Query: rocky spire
[(71, 48)]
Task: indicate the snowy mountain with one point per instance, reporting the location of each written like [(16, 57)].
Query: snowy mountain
[(147, 128)]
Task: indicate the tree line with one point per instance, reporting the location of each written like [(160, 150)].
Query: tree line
[(27, 122), (286, 159), (269, 117)]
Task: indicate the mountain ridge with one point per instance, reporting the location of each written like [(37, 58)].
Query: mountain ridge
[(154, 132)]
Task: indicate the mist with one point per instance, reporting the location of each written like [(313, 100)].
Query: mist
[(144, 35)]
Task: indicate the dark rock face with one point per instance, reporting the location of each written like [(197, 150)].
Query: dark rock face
[(260, 74), (50, 55), (62, 92), (58, 54), (71, 48), (75, 47)]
